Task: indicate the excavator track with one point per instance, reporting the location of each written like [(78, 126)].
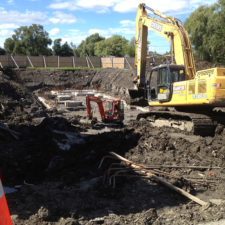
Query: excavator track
[(195, 123)]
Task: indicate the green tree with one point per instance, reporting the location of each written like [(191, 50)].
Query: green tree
[(216, 29), (87, 46), (9, 45), (114, 46), (131, 47), (197, 27), (66, 50), (100, 48), (32, 40), (2, 51), (74, 48), (57, 46), (62, 50), (206, 28)]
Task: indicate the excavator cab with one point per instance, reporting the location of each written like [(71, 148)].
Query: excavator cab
[(114, 110), (160, 84)]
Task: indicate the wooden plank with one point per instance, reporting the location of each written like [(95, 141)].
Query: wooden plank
[(141, 170)]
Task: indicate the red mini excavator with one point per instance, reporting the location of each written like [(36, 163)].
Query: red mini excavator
[(112, 113)]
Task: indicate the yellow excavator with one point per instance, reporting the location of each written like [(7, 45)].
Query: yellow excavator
[(177, 84)]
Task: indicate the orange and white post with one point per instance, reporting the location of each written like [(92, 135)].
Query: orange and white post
[(5, 218)]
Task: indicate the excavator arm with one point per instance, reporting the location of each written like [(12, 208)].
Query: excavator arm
[(100, 106), (169, 28)]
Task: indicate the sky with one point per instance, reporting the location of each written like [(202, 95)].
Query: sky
[(74, 20)]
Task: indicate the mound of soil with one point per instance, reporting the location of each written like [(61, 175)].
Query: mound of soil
[(55, 162), (18, 105), (67, 186)]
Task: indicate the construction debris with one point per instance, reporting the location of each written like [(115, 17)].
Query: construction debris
[(141, 169)]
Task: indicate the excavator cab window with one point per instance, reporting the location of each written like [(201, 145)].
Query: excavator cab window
[(116, 109), (152, 85), (159, 87), (164, 84), (163, 80), (177, 74), (108, 108), (121, 110), (119, 107)]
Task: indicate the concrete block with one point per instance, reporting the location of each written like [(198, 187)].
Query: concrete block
[(79, 94), (72, 104), (66, 92), (64, 97), (54, 92)]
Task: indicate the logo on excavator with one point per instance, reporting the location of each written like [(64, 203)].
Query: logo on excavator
[(156, 26), (179, 88)]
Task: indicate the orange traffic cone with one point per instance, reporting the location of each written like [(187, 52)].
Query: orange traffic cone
[(5, 218)]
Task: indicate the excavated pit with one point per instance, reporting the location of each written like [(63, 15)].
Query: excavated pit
[(52, 159)]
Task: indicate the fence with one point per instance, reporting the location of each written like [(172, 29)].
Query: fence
[(59, 61)]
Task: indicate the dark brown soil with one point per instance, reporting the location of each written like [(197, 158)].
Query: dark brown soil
[(66, 187)]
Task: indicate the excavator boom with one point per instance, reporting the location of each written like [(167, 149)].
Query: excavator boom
[(100, 106), (171, 29)]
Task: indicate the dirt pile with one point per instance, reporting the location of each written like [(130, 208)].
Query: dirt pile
[(104, 79), (72, 189), (55, 161), (18, 105), (112, 81), (202, 64)]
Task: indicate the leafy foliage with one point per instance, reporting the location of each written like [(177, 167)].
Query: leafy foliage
[(95, 45), (114, 46), (32, 40), (57, 46), (62, 50), (206, 28), (131, 47), (86, 48), (9, 45)]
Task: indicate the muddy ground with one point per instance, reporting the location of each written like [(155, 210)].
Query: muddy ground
[(56, 186)]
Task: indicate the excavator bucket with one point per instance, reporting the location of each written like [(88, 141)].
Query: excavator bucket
[(138, 97)]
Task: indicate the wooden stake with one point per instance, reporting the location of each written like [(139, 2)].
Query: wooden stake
[(14, 62), (30, 61)]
